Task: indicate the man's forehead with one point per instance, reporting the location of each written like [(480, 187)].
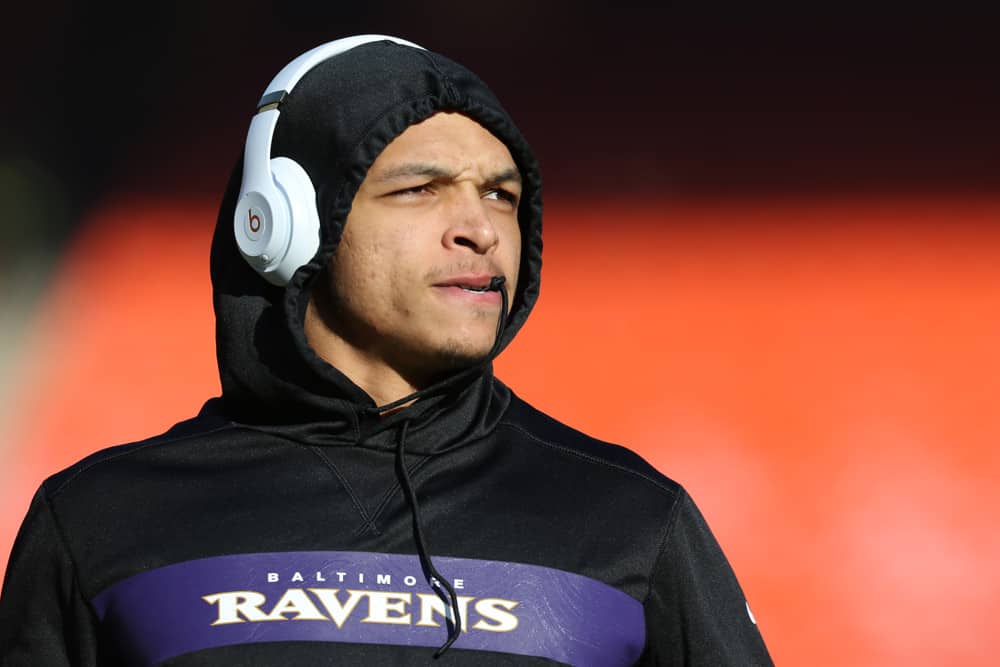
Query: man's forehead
[(434, 170), (442, 145)]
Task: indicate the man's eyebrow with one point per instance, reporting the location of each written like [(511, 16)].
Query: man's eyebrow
[(505, 176), (410, 169), (428, 170)]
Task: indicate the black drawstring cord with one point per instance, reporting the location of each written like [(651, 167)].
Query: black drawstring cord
[(434, 578)]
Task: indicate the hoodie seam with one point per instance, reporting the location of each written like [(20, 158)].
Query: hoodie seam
[(449, 83), (664, 540), (64, 542), (394, 489), (135, 450), (588, 457), (368, 522), (676, 495)]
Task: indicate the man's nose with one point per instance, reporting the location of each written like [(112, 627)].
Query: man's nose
[(470, 224)]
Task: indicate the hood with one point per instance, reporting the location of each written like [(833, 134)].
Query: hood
[(334, 123)]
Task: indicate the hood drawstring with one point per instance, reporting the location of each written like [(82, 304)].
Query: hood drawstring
[(433, 577), (438, 583)]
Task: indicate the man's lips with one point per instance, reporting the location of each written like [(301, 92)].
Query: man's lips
[(479, 282), (472, 287)]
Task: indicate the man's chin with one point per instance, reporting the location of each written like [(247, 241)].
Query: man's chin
[(438, 361), (459, 357)]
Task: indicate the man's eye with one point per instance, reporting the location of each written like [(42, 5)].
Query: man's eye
[(415, 190), (501, 195)]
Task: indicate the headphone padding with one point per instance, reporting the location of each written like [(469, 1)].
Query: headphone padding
[(303, 237)]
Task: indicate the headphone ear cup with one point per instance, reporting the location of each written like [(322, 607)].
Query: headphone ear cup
[(303, 231), (260, 223), (276, 222)]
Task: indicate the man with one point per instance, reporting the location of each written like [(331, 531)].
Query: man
[(365, 491)]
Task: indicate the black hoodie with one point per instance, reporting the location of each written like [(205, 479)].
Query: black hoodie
[(289, 523)]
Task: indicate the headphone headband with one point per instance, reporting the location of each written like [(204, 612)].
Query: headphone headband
[(285, 80)]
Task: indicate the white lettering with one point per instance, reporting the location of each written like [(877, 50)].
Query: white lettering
[(384, 579), (380, 605), (498, 611), (272, 577), (295, 601), (431, 604), (236, 603), (340, 576), (298, 577), (338, 612), (320, 577), (410, 580), (494, 614), (459, 584)]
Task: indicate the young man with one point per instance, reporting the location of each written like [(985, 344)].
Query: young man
[(365, 491)]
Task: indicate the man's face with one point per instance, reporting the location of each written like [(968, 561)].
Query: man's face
[(434, 220)]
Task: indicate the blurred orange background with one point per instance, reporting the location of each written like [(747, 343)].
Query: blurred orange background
[(821, 373)]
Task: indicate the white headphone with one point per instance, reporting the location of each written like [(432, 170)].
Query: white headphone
[(276, 221)]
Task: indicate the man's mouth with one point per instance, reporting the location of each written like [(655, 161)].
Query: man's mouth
[(473, 288), (477, 284)]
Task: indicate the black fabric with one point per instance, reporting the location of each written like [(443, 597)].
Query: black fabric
[(532, 491), (289, 653), (293, 457)]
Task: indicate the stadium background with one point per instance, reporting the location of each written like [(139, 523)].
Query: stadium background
[(771, 268)]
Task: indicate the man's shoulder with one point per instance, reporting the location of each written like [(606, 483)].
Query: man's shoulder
[(553, 434), (100, 463)]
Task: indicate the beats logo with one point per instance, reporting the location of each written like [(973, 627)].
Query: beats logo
[(253, 223)]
